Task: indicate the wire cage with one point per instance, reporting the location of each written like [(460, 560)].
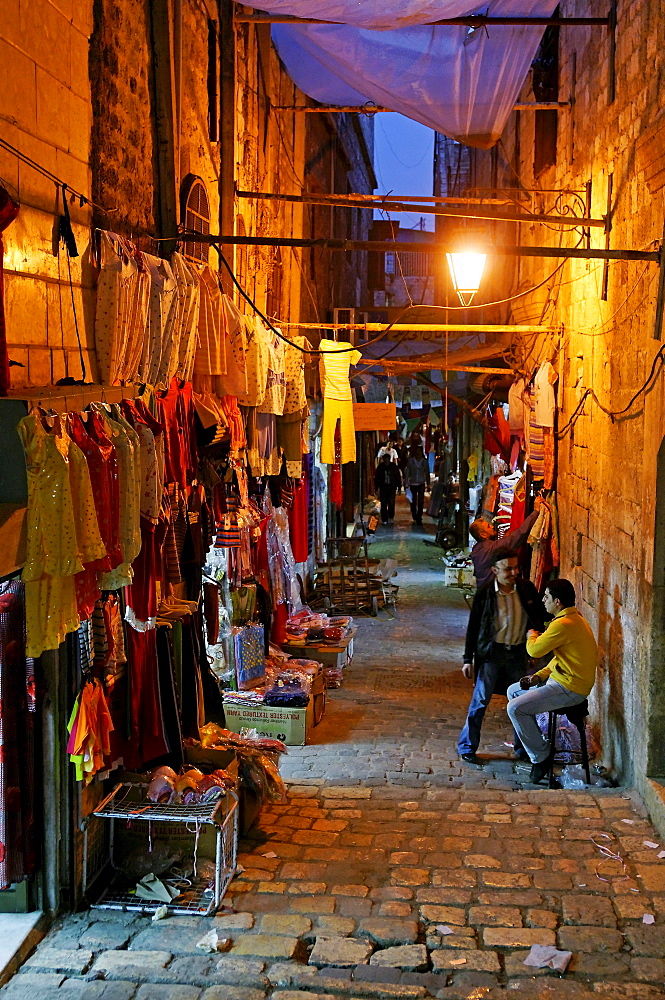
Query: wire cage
[(201, 895)]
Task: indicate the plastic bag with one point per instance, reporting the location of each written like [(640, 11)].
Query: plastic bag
[(260, 773), (573, 777)]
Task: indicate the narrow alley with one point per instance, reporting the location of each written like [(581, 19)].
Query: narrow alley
[(393, 870)]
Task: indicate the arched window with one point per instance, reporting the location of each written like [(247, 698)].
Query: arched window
[(195, 209)]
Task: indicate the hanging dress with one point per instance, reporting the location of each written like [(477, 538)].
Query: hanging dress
[(59, 497)]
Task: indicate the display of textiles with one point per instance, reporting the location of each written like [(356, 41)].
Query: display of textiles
[(89, 728), (507, 486), (209, 415), (544, 539), (289, 694), (249, 655), (243, 601)]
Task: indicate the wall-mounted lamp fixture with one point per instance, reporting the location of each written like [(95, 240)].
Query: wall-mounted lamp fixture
[(466, 271)]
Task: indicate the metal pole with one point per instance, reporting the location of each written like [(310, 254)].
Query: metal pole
[(383, 246), (378, 199), (165, 123), (227, 123), (349, 201), (444, 368), (471, 21), (370, 109), (422, 327)]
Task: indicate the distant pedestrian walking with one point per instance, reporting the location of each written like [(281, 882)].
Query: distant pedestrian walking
[(416, 478), (387, 481)]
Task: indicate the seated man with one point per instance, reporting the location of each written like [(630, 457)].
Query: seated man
[(564, 682), (501, 612)]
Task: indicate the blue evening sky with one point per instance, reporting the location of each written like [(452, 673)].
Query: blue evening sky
[(403, 162)]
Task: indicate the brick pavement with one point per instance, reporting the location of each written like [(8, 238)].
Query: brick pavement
[(398, 872)]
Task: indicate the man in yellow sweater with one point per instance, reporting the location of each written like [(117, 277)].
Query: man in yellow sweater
[(565, 681)]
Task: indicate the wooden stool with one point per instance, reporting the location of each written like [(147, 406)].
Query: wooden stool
[(577, 716)]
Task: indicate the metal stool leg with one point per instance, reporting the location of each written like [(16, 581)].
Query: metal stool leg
[(551, 735), (581, 728)]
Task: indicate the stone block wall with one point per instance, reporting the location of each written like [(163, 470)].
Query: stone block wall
[(609, 498), (45, 112)]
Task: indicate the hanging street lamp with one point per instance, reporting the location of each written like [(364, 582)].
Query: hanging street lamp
[(466, 271)]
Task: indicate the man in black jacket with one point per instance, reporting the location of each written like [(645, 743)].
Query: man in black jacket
[(501, 613), (387, 481)]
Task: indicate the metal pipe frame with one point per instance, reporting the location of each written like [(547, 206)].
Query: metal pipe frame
[(385, 246), (470, 21), (377, 200), (369, 109), (392, 205)]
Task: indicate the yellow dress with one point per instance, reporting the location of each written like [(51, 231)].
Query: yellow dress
[(62, 532)]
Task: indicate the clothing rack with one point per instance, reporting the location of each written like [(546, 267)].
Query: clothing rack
[(74, 397)]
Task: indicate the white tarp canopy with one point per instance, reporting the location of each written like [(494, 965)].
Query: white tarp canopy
[(459, 81)]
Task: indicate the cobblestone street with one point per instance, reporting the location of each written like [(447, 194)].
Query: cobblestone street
[(393, 870)]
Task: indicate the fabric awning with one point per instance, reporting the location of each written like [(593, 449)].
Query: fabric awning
[(459, 81)]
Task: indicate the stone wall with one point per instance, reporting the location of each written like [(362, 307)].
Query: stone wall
[(45, 112), (125, 177), (77, 94), (609, 482)]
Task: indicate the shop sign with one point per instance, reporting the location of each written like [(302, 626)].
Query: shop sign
[(375, 416)]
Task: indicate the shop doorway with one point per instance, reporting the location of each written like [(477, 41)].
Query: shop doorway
[(656, 678)]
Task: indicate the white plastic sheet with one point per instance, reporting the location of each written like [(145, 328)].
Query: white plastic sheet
[(458, 81)]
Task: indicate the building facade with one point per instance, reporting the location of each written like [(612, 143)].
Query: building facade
[(602, 154), (144, 118)]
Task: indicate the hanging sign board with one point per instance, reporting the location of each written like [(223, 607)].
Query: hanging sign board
[(375, 416)]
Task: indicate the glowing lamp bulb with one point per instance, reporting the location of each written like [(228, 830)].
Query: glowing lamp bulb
[(466, 270)]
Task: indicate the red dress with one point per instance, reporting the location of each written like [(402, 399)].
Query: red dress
[(298, 522), (102, 462), (176, 411)]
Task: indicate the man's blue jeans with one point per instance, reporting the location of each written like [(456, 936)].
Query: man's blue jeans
[(503, 663), (524, 706)]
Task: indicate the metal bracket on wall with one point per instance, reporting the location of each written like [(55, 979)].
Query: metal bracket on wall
[(660, 298)]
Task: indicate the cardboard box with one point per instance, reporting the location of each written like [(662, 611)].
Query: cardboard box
[(290, 725), (250, 809), (208, 759)]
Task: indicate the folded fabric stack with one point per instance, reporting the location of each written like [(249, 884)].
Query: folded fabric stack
[(254, 697)]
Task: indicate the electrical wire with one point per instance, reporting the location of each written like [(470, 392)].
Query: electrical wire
[(296, 257), (83, 199), (597, 331), (408, 166), (303, 350), (397, 255), (656, 366)]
